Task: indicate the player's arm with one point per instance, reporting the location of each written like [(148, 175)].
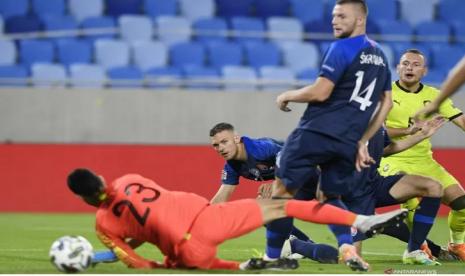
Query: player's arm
[(398, 132), (460, 121), (319, 91), (224, 193), (125, 253)]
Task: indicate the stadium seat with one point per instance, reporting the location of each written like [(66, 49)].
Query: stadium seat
[(209, 30), (458, 30), (228, 8), (323, 26), (187, 53), (222, 54), (451, 10), (172, 29), (276, 78), (268, 8), (163, 77), (248, 29), (382, 10), (308, 76), (284, 29), (102, 23), (13, 75), (196, 9), (111, 53), (155, 8), (120, 7), (22, 24), (433, 32), (9, 8), (48, 75), (446, 56), (149, 54), (298, 56), (32, 51), (8, 53), (300, 10), (60, 23), (199, 77), (434, 77), (400, 47), (414, 13), (328, 8), (125, 76), (389, 53), (262, 54), (74, 51), (395, 30), (87, 75), (45, 8), (2, 25), (82, 9), (135, 28), (239, 78)]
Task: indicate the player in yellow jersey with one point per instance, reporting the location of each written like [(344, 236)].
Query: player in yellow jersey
[(410, 95)]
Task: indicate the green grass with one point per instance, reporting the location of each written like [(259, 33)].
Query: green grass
[(26, 238)]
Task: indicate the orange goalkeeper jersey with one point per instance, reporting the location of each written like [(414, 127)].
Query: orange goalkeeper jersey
[(138, 208)]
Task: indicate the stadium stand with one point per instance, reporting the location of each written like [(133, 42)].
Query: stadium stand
[(300, 56), (9, 8), (228, 8), (284, 29), (239, 78), (125, 76), (423, 13), (299, 9), (163, 77), (269, 8), (120, 7), (8, 50), (262, 54), (223, 54), (48, 75), (13, 75), (82, 9), (135, 28), (196, 9), (188, 53), (155, 8), (111, 53), (22, 24), (47, 8), (149, 54), (173, 29), (210, 30), (87, 75), (247, 29), (99, 23), (276, 78), (32, 51), (200, 77), (73, 51)]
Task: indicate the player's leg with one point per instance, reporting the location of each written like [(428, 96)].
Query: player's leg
[(454, 197), (321, 253)]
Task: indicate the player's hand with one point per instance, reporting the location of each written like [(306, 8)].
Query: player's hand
[(431, 126), (417, 126), (282, 102), (363, 159), (426, 111), (264, 191)]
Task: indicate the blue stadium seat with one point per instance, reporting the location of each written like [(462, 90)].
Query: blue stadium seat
[(276, 78), (102, 23), (155, 8), (382, 10), (433, 32), (187, 53), (111, 53), (163, 77), (414, 13), (87, 75), (268, 8), (446, 56), (209, 30), (74, 51), (13, 75), (248, 29), (125, 76), (323, 26), (400, 47), (173, 29), (262, 54), (389, 53), (48, 75), (458, 30), (239, 78), (395, 30), (300, 10), (9, 8), (308, 76), (22, 24), (120, 7), (135, 28), (228, 8), (149, 54), (328, 8), (2, 25), (196, 9), (222, 54), (32, 51), (298, 56), (284, 29), (434, 77), (199, 77), (451, 10), (60, 23), (44, 8), (82, 9), (8, 53)]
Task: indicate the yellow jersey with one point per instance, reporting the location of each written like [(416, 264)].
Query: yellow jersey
[(405, 105)]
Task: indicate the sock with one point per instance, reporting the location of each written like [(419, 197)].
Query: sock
[(343, 233), (277, 232), (299, 234), (322, 253), (104, 257), (410, 205), (423, 221), (313, 211), (456, 222)]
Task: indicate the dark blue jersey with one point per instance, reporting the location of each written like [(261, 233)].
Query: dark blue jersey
[(260, 164), (359, 70)]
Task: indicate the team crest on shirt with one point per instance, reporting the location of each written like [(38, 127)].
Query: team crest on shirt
[(224, 175), (386, 168)]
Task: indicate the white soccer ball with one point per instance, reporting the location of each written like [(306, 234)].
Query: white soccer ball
[(71, 254)]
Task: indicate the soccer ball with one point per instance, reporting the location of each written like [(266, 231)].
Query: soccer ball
[(71, 254)]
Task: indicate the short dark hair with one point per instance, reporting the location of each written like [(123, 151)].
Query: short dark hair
[(359, 2), (220, 127), (415, 51), (84, 182)]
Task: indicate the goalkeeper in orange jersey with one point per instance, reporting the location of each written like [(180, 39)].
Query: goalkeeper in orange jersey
[(133, 210)]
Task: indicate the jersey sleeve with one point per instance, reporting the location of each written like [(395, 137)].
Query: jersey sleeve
[(266, 148), (448, 110), (229, 176), (388, 83), (124, 252), (334, 63), (387, 140)]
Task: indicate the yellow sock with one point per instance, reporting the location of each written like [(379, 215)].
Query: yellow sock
[(411, 205), (456, 221)]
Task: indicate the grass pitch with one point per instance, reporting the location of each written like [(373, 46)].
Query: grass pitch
[(25, 240)]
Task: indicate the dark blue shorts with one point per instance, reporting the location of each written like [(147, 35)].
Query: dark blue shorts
[(305, 150)]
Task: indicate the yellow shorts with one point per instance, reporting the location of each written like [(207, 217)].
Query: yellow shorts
[(425, 167)]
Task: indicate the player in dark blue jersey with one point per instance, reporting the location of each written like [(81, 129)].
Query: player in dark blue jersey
[(347, 104), (255, 159)]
